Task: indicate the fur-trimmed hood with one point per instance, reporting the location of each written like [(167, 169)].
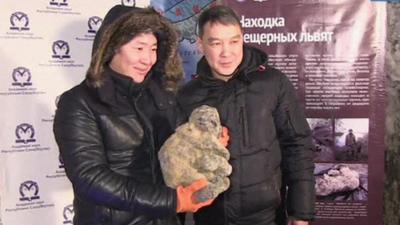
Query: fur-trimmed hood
[(120, 25)]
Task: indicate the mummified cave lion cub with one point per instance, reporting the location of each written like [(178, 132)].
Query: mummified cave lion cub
[(197, 150)]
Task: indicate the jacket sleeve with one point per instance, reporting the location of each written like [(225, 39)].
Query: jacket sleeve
[(81, 146), (297, 153)]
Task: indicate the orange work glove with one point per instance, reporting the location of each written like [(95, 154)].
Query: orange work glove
[(224, 139), (186, 201)]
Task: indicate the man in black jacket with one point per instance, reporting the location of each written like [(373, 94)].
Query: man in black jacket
[(270, 140)]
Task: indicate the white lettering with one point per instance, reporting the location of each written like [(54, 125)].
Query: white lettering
[(267, 22)]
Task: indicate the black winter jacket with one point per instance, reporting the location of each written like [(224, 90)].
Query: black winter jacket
[(269, 136), (108, 138)]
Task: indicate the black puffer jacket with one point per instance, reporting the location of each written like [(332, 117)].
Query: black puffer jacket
[(108, 142), (109, 130), (269, 136)]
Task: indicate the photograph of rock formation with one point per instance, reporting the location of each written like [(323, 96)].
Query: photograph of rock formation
[(341, 182), (323, 138)]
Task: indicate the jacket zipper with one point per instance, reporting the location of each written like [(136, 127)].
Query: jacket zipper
[(243, 123), (148, 126)]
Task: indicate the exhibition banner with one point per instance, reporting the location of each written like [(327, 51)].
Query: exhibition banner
[(333, 52)]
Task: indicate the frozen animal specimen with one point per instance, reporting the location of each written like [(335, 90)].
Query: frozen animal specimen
[(195, 151)]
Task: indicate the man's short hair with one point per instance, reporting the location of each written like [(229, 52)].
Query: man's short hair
[(217, 14)]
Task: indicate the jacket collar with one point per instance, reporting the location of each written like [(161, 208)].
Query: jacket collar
[(126, 85), (115, 82)]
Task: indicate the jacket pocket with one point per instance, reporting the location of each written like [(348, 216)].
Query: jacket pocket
[(258, 197), (258, 165), (296, 122)]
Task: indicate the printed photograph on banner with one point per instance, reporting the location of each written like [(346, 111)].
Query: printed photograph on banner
[(184, 15), (351, 139), (341, 182), (323, 138)]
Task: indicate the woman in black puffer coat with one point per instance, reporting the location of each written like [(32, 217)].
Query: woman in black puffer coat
[(110, 127)]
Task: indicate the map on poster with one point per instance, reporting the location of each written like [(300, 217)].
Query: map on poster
[(184, 14)]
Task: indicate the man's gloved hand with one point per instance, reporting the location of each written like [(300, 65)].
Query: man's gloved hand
[(186, 201), (224, 139)]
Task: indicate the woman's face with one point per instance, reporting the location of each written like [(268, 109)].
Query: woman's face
[(135, 58)]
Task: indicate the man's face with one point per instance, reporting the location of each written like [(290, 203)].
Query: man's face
[(222, 46)]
